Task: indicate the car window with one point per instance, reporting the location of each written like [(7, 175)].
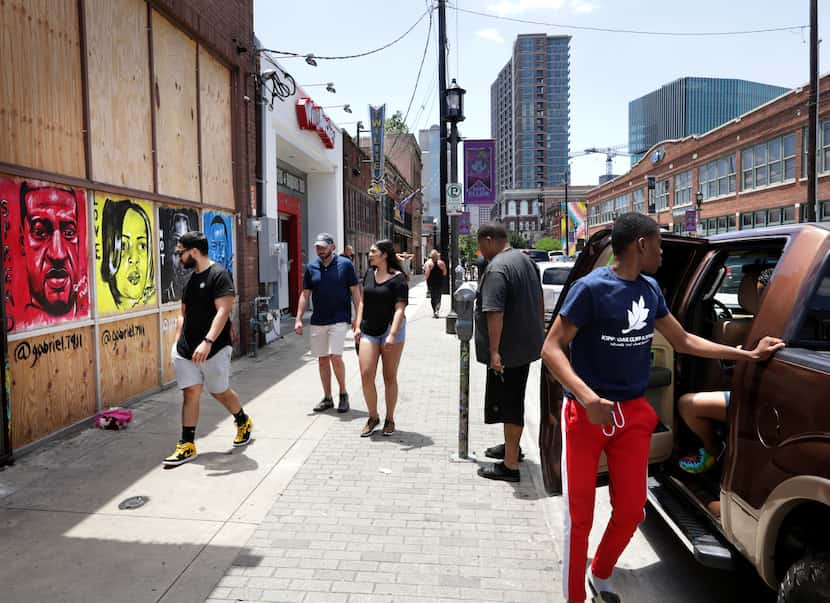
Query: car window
[(537, 255), (737, 267), (815, 328), (555, 276)]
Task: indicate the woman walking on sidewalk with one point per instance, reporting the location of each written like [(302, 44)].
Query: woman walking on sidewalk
[(435, 272), (381, 331)]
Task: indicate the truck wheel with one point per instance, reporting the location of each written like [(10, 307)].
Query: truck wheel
[(807, 581)]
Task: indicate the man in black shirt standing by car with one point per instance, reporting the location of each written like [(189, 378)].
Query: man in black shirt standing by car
[(202, 353)]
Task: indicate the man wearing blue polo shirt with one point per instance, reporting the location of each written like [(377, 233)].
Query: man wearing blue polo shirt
[(329, 280)]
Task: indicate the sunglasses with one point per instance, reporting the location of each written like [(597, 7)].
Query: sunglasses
[(180, 252)]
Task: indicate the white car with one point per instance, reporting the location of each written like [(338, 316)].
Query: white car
[(554, 275)]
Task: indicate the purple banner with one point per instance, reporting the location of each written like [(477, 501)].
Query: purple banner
[(691, 220), (464, 224), (480, 172)]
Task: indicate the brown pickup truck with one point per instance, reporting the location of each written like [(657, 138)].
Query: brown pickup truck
[(768, 499)]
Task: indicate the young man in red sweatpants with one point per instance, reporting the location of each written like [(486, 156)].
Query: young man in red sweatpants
[(607, 321)]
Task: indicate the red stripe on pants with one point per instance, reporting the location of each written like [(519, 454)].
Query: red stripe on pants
[(626, 449)]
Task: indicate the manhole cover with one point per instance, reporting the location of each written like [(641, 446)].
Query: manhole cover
[(134, 502)]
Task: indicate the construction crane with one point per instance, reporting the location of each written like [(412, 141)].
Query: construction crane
[(610, 153)]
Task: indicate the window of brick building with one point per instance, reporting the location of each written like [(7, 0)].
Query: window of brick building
[(769, 162), (717, 178), (683, 189), (662, 195)]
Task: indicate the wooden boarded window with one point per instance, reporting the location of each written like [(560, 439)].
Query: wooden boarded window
[(215, 111), (118, 67), (41, 102), (174, 89)]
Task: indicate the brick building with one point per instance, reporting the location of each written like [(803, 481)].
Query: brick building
[(135, 118), (361, 210), (751, 172)]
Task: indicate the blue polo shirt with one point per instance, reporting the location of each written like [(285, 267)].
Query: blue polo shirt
[(611, 351), (330, 290)]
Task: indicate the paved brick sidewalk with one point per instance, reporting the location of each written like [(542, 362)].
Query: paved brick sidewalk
[(397, 519)]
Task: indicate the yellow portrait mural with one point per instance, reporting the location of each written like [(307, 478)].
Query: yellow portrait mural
[(125, 253)]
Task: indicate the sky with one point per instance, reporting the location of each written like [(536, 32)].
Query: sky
[(607, 69)]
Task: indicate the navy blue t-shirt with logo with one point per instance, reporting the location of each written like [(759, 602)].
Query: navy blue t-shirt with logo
[(611, 352), (330, 290)]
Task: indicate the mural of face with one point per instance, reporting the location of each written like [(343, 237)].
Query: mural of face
[(181, 225), (132, 272), (52, 250), (219, 244)]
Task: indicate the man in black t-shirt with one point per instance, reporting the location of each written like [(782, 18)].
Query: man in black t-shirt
[(202, 352)]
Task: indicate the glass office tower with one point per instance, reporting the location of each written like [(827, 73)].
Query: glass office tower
[(691, 105), (530, 113)]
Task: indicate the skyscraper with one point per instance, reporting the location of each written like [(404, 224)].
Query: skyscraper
[(530, 113), (691, 105), (430, 143)]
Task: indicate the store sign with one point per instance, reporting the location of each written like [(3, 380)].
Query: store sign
[(311, 117), (377, 121)]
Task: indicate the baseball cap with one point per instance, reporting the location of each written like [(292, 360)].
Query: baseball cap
[(324, 239)]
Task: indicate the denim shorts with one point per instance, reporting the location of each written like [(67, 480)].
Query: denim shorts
[(401, 337)]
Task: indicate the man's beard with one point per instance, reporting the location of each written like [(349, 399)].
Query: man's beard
[(189, 263)]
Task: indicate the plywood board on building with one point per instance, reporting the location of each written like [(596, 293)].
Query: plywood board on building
[(118, 68), (169, 322), (215, 112), (53, 382), (41, 101), (129, 356), (174, 88)]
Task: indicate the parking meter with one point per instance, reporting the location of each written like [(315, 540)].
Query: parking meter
[(465, 297), (459, 275)]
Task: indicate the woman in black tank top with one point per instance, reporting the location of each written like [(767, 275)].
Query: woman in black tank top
[(436, 270)]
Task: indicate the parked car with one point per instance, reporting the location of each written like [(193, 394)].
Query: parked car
[(554, 276), (553, 254), (537, 255), (768, 499)]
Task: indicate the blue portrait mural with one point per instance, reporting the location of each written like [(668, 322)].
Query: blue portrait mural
[(218, 228)]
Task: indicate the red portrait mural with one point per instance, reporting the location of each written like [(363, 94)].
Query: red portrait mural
[(45, 250)]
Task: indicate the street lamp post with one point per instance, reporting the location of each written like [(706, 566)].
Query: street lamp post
[(567, 241), (698, 205), (455, 114)]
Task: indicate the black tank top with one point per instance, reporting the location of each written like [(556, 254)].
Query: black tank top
[(436, 277)]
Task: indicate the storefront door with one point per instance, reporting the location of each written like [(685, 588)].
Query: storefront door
[(290, 210)]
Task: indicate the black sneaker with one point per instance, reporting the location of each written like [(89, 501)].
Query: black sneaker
[(500, 471), (497, 452), (343, 404), (603, 596), (324, 404)]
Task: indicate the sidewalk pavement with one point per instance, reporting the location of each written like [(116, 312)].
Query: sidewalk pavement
[(308, 512)]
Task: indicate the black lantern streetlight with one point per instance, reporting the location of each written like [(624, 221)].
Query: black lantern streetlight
[(454, 114), (455, 102), (698, 204)]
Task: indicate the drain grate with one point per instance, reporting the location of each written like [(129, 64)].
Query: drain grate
[(134, 502)]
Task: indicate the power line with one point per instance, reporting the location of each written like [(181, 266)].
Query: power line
[(629, 31), (418, 78), (354, 56)]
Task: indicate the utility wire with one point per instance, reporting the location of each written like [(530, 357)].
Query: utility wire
[(629, 31), (354, 56), (418, 78)]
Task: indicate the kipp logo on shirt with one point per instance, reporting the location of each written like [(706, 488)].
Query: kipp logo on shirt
[(637, 316)]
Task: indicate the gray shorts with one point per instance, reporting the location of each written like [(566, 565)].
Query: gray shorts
[(214, 373)]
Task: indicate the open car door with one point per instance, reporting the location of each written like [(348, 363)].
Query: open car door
[(681, 257)]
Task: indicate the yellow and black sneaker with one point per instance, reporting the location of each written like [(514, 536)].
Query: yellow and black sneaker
[(243, 433), (185, 452)]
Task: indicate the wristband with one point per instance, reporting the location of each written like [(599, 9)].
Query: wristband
[(209, 340)]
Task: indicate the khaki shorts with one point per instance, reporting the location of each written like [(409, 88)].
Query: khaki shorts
[(328, 340), (214, 373)]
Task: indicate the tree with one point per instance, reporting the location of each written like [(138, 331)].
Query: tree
[(396, 124), (548, 244), (468, 246), (517, 241)]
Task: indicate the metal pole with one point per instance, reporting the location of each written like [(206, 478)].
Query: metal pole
[(454, 219), (442, 112), (567, 226), (464, 401), (811, 210)]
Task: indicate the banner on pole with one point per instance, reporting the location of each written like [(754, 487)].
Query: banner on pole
[(377, 120), (464, 224), (691, 220), (480, 172)]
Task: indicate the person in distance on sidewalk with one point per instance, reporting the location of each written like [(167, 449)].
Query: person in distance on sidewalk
[(202, 352), (509, 332), (331, 283), (435, 273), (382, 331)]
